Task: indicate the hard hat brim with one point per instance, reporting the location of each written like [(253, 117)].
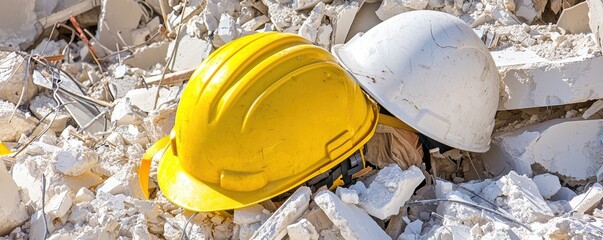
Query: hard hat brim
[(190, 193)]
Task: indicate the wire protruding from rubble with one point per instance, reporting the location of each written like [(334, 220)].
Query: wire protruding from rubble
[(46, 232), (436, 201), (172, 56)]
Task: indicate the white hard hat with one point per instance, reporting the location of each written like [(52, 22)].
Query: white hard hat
[(430, 70)]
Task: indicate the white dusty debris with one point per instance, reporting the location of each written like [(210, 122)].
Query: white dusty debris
[(540, 82), (13, 122), (540, 144), (276, 226), (18, 24), (353, 222), (389, 191), (15, 78), (12, 210)]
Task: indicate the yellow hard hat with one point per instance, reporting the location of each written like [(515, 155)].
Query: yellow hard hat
[(4, 149), (260, 116)]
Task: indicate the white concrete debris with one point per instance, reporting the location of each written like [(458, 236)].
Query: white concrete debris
[(226, 29), (522, 198), (140, 97), (595, 20), (147, 57), (575, 19), (564, 193), (539, 144), (390, 8), (255, 23), (58, 205), (17, 23), (541, 83), (529, 10), (44, 106), (353, 222), (116, 21), (11, 130), (124, 114), (390, 190), (309, 29), (587, 200), (284, 18), (548, 184), (125, 181), (74, 158), (159, 123), (190, 51), (276, 226), (14, 75), (302, 230), (412, 230), (84, 195), (12, 210), (344, 16), (347, 195), (251, 214)]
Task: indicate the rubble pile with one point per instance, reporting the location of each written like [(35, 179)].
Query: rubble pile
[(86, 86)]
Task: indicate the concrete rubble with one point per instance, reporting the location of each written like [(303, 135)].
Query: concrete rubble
[(541, 177)]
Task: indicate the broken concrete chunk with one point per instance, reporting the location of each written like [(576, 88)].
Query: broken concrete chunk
[(125, 181), (14, 77), (11, 130), (302, 230), (12, 210), (189, 52), (140, 97), (58, 205), (347, 195), (529, 10), (523, 198), (595, 19), (323, 38), (118, 18), (344, 17), (550, 83), (84, 195), (284, 18), (246, 231), (276, 226), (226, 29), (17, 24), (390, 8), (390, 190), (159, 123), (148, 56), (587, 200), (251, 214), (43, 106), (575, 19), (255, 23), (576, 158), (353, 222), (564, 193), (74, 158), (548, 184), (124, 114), (309, 29), (412, 230)]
